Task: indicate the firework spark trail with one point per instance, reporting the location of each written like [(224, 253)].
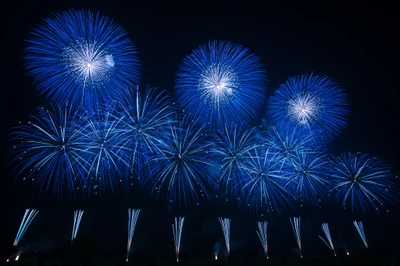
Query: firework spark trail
[(77, 221), (295, 221), (177, 231), (226, 227), (360, 229), (328, 240), (26, 221), (262, 235), (132, 219)]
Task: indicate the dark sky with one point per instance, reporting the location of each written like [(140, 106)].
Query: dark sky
[(355, 45)]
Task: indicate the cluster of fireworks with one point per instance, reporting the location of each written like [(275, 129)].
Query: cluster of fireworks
[(177, 226), (104, 131)]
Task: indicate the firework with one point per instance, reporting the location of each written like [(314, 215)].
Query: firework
[(328, 242), (133, 215), (262, 235), (221, 82), (363, 182), (145, 117), (314, 102), (29, 215), (230, 151), (226, 229), (263, 184), (308, 177), (295, 222), (177, 232), (49, 151), (360, 229), (77, 221), (288, 140), (183, 164), (80, 57), (103, 153)]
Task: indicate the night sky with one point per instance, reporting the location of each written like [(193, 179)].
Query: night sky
[(356, 46)]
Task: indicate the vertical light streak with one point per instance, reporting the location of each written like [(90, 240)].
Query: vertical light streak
[(295, 221), (328, 240), (77, 221), (132, 219), (262, 235), (26, 221), (177, 231), (360, 229), (226, 227)]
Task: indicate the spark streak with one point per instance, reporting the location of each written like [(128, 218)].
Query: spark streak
[(262, 235), (26, 221), (295, 221), (77, 221), (177, 231), (226, 225), (328, 240), (360, 229), (132, 219)]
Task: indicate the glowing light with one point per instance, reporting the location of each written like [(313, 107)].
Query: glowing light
[(226, 228), (262, 235), (295, 222), (177, 232), (77, 221), (360, 229), (132, 219), (26, 221), (328, 240)]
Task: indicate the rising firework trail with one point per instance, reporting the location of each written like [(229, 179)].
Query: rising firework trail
[(295, 221), (26, 221), (262, 235), (132, 219), (328, 241), (226, 228), (360, 229), (77, 221), (177, 231)]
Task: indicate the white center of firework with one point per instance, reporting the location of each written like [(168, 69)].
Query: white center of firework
[(217, 84), (88, 63), (304, 109)]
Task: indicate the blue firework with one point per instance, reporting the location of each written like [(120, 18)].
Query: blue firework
[(183, 165), (230, 151), (363, 183), (145, 118), (221, 82), (314, 102), (49, 152), (288, 140), (309, 179), (263, 184), (103, 148), (81, 58)]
